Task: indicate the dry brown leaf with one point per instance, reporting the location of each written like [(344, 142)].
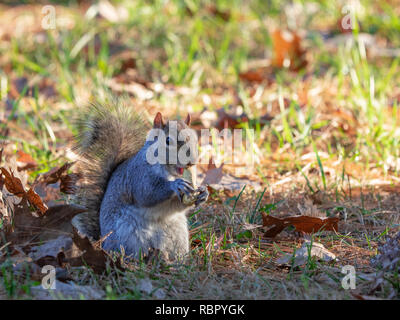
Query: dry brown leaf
[(258, 75), (50, 194), (14, 186), (26, 227), (288, 51), (25, 159), (56, 173), (213, 174), (301, 223), (17, 86), (92, 253), (35, 200), (126, 59), (12, 183), (252, 75), (21, 85), (213, 9), (67, 182), (51, 248), (230, 120)]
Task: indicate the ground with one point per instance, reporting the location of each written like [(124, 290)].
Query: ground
[(316, 81)]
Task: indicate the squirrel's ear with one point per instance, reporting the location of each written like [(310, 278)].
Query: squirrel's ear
[(188, 119), (158, 121)]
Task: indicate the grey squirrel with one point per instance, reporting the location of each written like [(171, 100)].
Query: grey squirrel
[(132, 203)]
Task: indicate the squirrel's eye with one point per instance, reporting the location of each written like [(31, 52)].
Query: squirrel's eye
[(167, 141)]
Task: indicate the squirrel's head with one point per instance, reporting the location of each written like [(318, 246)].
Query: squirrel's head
[(179, 142)]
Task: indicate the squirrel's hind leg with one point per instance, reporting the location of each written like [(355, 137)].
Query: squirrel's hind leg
[(176, 237), (128, 230)]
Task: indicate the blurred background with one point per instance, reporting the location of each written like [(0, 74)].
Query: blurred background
[(296, 71)]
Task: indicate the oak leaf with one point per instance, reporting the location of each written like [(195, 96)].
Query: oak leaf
[(305, 224)]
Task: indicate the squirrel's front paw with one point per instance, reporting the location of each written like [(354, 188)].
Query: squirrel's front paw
[(202, 196), (182, 187), (197, 197)]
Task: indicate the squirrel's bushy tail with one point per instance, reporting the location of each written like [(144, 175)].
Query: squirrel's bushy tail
[(108, 134)]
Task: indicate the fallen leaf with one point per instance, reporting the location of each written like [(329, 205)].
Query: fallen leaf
[(25, 159), (305, 224), (259, 75), (256, 75), (26, 227), (14, 186), (51, 248), (213, 9), (230, 120), (21, 85), (17, 87), (301, 255), (56, 174), (287, 50), (213, 174), (233, 184), (35, 200), (12, 183), (50, 194), (92, 254), (215, 179), (126, 59), (57, 179)]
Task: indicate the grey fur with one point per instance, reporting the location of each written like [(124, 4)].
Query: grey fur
[(109, 133), (141, 204), (143, 210)]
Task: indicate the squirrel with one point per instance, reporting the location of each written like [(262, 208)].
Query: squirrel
[(134, 205)]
